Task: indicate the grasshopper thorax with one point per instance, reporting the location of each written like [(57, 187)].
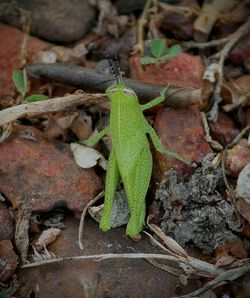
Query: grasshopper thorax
[(119, 90)]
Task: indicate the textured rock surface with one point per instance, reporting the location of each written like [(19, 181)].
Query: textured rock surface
[(7, 223), (223, 130), (183, 70), (106, 278), (195, 212), (243, 183), (10, 55), (8, 260), (56, 21), (181, 131), (43, 174)]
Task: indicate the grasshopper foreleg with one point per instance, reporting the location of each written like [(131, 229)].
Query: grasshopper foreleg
[(96, 138)]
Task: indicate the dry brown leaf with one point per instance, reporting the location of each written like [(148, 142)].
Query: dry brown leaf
[(243, 207), (169, 242), (224, 260), (23, 215), (48, 236)]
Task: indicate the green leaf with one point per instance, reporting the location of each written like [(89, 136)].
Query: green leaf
[(157, 47), (20, 80), (148, 60), (35, 97), (174, 50)]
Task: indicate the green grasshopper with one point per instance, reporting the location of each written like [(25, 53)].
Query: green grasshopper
[(130, 157)]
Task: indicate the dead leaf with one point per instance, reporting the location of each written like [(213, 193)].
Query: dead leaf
[(48, 236), (82, 126), (87, 157), (23, 215), (224, 260), (59, 123)]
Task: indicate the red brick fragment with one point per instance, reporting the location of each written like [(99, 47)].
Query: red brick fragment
[(183, 70), (10, 55), (43, 174), (181, 131)]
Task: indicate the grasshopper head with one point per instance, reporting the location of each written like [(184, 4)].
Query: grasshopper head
[(119, 91)]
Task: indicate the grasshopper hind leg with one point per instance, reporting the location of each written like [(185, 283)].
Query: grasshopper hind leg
[(136, 197), (112, 178)]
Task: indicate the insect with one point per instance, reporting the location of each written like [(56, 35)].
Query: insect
[(130, 158)]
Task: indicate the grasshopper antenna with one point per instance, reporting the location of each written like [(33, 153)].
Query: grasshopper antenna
[(119, 70), (116, 69), (114, 72)]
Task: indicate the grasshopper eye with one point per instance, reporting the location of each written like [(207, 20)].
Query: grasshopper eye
[(128, 91)]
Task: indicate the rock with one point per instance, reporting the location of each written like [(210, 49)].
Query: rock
[(106, 278), (243, 183), (10, 56), (126, 7), (241, 51), (182, 70), (56, 21), (235, 248), (8, 260), (238, 157), (223, 130), (181, 131), (176, 21), (7, 224), (43, 174), (247, 65), (192, 210)]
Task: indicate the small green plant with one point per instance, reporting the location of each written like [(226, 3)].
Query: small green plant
[(21, 82), (160, 52), (35, 97)]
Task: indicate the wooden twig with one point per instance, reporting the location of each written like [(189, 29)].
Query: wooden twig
[(96, 81), (204, 45), (141, 23), (51, 106), (84, 212), (206, 268), (221, 280)]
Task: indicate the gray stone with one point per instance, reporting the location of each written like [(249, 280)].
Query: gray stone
[(243, 183), (56, 21)]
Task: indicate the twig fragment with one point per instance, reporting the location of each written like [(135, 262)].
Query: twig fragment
[(84, 212), (204, 45), (221, 280), (96, 81), (50, 106)]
